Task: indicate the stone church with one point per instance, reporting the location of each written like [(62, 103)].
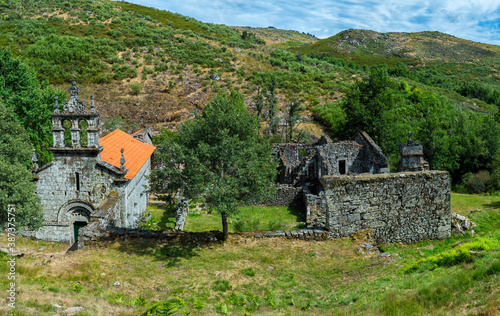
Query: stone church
[(91, 181)]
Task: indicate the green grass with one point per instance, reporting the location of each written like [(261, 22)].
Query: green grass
[(464, 204), (163, 216), (250, 218), (267, 276)]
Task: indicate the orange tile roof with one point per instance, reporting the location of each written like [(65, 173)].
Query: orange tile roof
[(136, 153)]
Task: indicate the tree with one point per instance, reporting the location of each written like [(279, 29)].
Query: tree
[(220, 155), (16, 187), (293, 116), (258, 100), (272, 104), (30, 102), (365, 103)]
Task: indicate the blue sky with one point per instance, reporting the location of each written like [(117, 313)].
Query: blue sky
[(477, 20)]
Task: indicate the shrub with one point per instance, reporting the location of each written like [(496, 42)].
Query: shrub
[(247, 225), (479, 182), (464, 253), (147, 71), (248, 272), (135, 89), (221, 285)]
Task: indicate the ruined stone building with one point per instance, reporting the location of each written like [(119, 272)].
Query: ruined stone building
[(346, 187), (101, 181), (304, 164)]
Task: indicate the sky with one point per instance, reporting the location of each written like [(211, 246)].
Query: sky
[(476, 20)]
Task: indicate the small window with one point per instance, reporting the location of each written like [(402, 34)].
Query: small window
[(342, 167), (77, 176)]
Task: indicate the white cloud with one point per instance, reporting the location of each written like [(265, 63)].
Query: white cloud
[(462, 18)]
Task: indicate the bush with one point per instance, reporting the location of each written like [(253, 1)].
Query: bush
[(247, 225), (464, 253), (479, 182), (147, 71), (222, 285), (248, 272), (495, 179), (135, 89)]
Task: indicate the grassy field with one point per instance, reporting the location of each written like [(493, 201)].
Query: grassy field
[(250, 218), (456, 276)]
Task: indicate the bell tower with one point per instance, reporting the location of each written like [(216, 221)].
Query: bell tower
[(69, 122)]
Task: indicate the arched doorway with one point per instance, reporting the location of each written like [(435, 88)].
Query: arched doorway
[(79, 218), (77, 214)]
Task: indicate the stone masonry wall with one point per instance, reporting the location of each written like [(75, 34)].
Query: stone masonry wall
[(315, 209), (106, 217), (400, 207), (285, 196), (330, 154), (56, 185)]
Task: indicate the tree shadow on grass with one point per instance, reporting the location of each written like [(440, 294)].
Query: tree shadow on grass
[(171, 249), (167, 220), (494, 205)]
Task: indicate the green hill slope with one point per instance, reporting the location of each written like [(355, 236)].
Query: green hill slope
[(369, 47), (152, 67)]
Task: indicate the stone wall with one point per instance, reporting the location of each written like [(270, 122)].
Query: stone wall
[(286, 196), (52, 231), (399, 207), (136, 197), (315, 209), (106, 217), (330, 155), (56, 185), (371, 159)]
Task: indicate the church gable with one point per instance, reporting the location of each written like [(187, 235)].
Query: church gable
[(135, 152)]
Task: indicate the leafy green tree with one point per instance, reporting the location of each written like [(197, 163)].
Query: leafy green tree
[(30, 102), (258, 100), (366, 102), (220, 155), (16, 187), (272, 105), (294, 108)]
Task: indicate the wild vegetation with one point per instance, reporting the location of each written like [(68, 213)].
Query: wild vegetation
[(247, 275), (153, 67)]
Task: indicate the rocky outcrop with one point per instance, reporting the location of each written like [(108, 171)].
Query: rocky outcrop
[(460, 224)]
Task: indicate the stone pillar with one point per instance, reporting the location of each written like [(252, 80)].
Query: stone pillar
[(75, 134), (93, 132), (181, 213), (93, 137), (57, 133)]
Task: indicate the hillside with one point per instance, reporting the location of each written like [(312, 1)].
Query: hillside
[(369, 47), (277, 38), (152, 67)]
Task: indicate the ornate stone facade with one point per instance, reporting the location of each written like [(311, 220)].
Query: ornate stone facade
[(78, 187)]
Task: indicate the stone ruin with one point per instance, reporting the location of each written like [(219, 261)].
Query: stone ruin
[(301, 166), (346, 187), (412, 156)]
